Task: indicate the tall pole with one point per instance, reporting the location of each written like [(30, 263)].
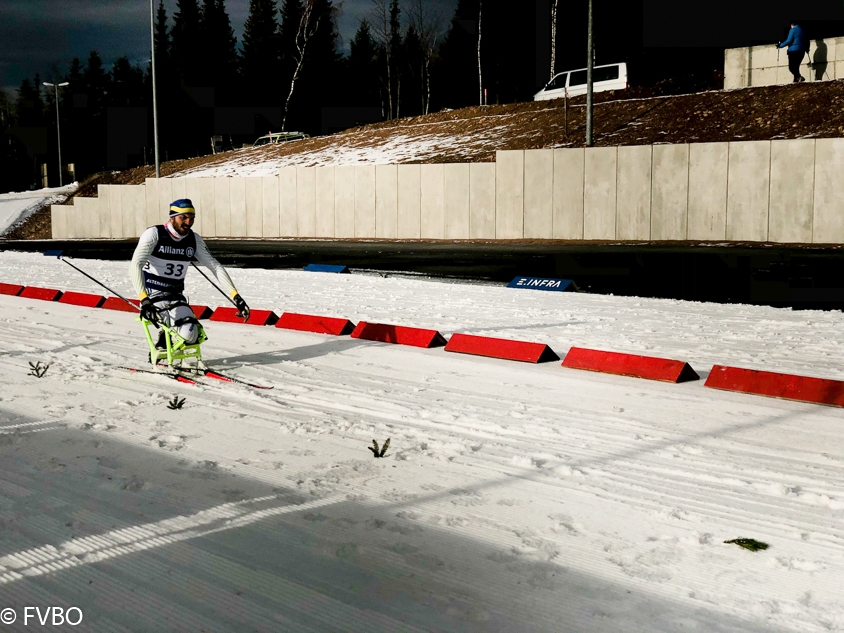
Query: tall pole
[(154, 94), (589, 65), (58, 128)]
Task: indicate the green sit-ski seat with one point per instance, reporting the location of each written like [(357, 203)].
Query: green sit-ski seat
[(177, 349)]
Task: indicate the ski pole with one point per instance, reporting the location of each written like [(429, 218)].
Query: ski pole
[(220, 290), (58, 254)]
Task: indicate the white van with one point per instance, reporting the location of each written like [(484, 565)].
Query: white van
[(608, 77)]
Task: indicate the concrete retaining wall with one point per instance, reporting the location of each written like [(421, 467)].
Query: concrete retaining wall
[(784, 191), (766, 66)]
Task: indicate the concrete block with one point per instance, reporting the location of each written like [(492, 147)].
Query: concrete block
[(270, 217), (306, 201), (222, 206), (254, 189), (708, 164), (288, 223), (344, 201), (151, 216), (736, 63), (58, 221), (206, 217), (324, 201), (237, 206), (765, 76), (192, 191), (83, 219), (670, 192), (567, 202), (792, 182), (828, 221), (539, 193), (599, 193), (764, 56), (432, 202), (108, 212), (179, 187), (456, 199), (165, 197), (386, 201), (633, 197), (482, 201), (839, 49), (748, 191), (133, 202), (84, 223), (364, 200), (839, 69), (509, 194), (784, 75), (409, 201)]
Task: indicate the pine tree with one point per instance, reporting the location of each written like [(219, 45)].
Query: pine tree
[(459, 63), (29, 106), (186, 47), (363, 68), (127, 84), (259, 57), (219, 46)]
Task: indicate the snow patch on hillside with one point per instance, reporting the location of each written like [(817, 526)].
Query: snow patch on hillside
[(16, 207)]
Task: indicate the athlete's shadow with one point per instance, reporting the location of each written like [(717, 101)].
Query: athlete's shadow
[(273, 357)]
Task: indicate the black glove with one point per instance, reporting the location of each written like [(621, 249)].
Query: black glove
[(149, 312), (243, 309)]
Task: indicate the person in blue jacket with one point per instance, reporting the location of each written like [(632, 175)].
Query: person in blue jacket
[(798, 46)]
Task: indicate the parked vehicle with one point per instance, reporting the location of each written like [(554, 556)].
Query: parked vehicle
[(273, 138), (608, 77)]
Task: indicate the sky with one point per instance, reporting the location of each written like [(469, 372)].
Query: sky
[(42, 36)]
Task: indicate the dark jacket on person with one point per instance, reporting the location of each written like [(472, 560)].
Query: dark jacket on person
[(796, 40)]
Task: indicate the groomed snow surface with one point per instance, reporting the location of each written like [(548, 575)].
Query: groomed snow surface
[(513, 497)]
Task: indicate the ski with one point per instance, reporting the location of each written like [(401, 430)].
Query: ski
[(210, 373), (175, 376)]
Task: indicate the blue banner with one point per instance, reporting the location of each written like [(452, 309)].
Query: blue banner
[(326, 268), (542, 283)]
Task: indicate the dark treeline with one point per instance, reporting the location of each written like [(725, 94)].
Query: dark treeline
[(286, 73)]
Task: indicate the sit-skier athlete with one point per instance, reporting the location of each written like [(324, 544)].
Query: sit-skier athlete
[(158, 270)]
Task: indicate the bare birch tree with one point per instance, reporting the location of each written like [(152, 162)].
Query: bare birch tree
[(381, 31), (480, 73), (308, 25), (428, 25), (554, 38)]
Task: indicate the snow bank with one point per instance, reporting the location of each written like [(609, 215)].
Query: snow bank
[(17, 207)]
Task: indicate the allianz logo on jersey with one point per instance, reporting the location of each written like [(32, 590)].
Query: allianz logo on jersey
[(169, 250)]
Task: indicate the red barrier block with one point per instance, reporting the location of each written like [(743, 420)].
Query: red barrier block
[(775, 385), (201, 312), (82, 299), (10, 289), (256, 317), (44, 294), (500, 348), (116, 303), (319, 324), (648, 367), (398, 334)]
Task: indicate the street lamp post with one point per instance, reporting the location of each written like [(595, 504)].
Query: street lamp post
[(154, 95), (589, 88), (58, 129)]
